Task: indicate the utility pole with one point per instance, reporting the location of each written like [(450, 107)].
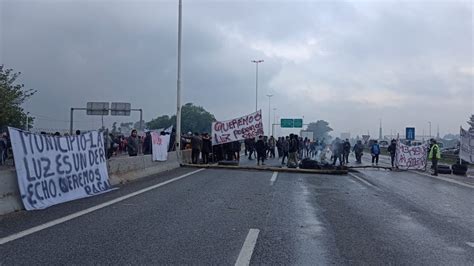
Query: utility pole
[(269, 110), (178, 84), (256, 82), (274, 121)]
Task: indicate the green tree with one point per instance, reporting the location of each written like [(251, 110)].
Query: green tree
[(193, 119), (471, 123), (320, 129), (163, 121), (12, 96)]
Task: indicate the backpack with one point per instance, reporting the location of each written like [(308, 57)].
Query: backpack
[(375, 149)]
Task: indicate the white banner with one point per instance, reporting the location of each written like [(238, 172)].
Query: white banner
[(52, 170), (411, 157), (466, 151), (160, 146), (249, 126)]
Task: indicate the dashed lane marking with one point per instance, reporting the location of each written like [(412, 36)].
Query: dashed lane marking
[(247, 249)]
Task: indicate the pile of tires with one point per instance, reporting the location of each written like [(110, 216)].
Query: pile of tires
[(444, 169), (459, 169), (309, 164)]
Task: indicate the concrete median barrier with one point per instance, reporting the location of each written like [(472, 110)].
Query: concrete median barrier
[(10, 199)]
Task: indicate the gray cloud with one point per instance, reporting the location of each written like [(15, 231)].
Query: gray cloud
[(348, 62)]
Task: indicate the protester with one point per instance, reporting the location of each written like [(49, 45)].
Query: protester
[(206, 148), (147, 143), (132, 144), (251, 143), (346, 151), (278, 146), (236, 147), (261, 149), (284, 149), (337, 152), (3, 148), (434, 156), (293, 150), (375, 151), (196, 145), (300, 147), (392, 149), (358, 150), (271, 147)]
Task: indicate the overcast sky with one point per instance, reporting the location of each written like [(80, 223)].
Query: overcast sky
[(348, 62)]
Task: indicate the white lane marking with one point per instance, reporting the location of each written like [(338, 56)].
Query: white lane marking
[(274, 178), (471, 244), (444, 179), (248, 247), (89, 210), (362, 180)]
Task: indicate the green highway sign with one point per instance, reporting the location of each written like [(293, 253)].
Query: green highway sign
[(285, 122), (290, 123), (298, 123)]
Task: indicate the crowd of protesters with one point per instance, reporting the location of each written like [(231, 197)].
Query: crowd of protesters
[(289, 149)]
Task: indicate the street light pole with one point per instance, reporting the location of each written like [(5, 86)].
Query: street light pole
[(178, 85), (256, 82), (269, 111), (274, 121)]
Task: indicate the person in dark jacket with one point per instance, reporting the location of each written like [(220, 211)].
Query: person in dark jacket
[(375, 151), (132, 144), (236, 147), (261, 150), (293, 150), (196, 145), (337, 150), (251, 147), (346, 151), (358, 150), (392, 149), (206, 148), (147, 144), (285, 147)]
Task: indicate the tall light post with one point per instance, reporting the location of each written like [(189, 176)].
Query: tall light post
[(269, 111), (178, 85), (274, 121), (256, 82)]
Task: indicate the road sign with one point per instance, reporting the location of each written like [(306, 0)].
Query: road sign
[(290, 123), (286, 123), (97, 108), (410, 133), (298, 122), (366, 138), (120, 109)]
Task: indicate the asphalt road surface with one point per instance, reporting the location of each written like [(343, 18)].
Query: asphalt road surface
[(219, 216)]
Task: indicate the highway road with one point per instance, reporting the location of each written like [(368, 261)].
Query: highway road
[(220, 216)]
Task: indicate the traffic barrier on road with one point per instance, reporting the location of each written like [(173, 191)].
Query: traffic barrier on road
[(10, 199), (126, 169), (121, 170), (272, 168)]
